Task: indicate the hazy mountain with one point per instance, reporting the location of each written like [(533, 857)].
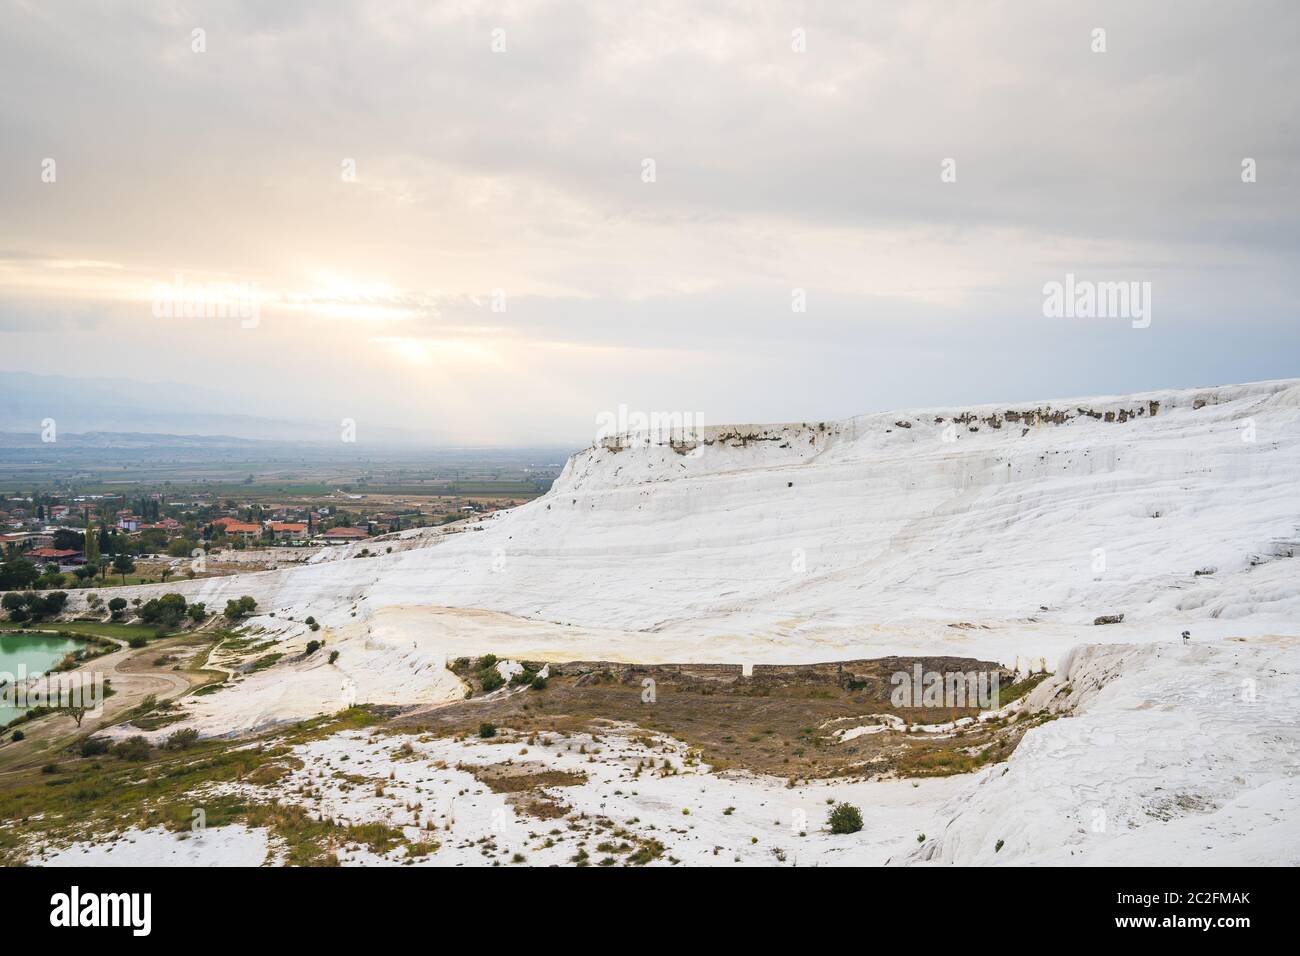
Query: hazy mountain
[(125, 406)]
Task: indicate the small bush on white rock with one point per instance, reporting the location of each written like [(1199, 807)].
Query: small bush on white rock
[(845, 818)]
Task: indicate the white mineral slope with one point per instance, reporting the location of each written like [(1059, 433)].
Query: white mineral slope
[(1168, 755), (1164, 755), (875, 536), (234, 845), (865, 537), (820, 541)]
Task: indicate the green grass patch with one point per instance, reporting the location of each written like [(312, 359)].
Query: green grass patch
[(91, 797), (1019, 689), (93, 628), (262, 663)]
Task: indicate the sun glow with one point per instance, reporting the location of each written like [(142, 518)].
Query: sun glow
[(430, 351), (339, 297)]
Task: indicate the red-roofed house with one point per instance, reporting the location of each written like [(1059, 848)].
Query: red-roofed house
[(291, 531), (60, 556), (170, 525), (244, 530), (344, 535)]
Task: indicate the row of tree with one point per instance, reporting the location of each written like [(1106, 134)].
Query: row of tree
[(19, 573), (30, 606)]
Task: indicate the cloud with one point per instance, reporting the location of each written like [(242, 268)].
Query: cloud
[(517, 176)]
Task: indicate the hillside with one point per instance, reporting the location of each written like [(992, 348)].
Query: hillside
[(993, 533), (875, 535)]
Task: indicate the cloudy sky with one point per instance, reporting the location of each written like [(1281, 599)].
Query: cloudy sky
[(444, 215)]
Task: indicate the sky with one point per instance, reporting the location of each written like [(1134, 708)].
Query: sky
[(493, 222)]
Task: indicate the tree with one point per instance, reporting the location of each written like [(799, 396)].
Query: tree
[(50, 579), (92, 542), (152, 541), (17, 574), (116, 606), (13, 603), (180, 548), (235, 609), (32, 606), (123, 564), (166, 611), (54, 603), (77, 713), (68, 539)]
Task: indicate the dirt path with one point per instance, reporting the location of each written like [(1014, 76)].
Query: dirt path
[(133, 676)]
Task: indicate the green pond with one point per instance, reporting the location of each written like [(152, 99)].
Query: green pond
[(37, 653)]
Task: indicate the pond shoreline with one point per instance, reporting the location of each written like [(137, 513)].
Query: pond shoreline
[(30, 652)]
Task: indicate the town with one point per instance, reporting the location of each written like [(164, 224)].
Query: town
[(51, 541)]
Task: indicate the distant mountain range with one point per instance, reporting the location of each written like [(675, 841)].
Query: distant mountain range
[(192, 415)]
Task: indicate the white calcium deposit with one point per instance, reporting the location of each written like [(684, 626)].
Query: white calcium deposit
[(999, 532)]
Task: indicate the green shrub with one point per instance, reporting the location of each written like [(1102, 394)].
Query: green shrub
[(19, 735), (182, 739), (235, 609), (491, 680), (539, 682), (312, 648), (486, 730), (334, 655), (93, 747), (30, 606), (846, 818), (166, 611), (138, 641), (133, 748)]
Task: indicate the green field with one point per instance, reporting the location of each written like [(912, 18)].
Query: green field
[(113, 581), (94, 628)]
